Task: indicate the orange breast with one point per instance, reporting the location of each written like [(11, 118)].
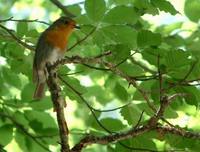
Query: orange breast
[(58, 37)]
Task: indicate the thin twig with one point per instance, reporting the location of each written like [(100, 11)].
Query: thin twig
[(73, 73), (96, 68), (83, 39), (160, 78), (17, 39), (139, 120), (114, 109), (59, 104), (124, 60), (23, 20)]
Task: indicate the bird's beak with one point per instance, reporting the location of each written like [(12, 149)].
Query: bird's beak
[(77, 27)]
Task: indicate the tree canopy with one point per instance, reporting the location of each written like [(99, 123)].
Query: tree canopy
[(130, 77)]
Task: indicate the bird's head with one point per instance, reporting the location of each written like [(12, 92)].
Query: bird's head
[(65, 22)]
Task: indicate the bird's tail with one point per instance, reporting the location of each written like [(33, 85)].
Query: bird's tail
[(39, 91)]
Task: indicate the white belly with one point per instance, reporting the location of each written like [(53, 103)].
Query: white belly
[(55, 55)]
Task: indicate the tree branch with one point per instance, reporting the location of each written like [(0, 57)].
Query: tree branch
[(59, 104), (23, 20), (113, 68), (17, 39), (179, 132), (90, 139), (134, 131)]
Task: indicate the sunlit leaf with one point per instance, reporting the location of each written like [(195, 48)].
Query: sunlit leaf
[(148, 38), (166, 6), (192, 10), (22, 28), (118, 15), (132, 114), (6, 133), (95, 9)]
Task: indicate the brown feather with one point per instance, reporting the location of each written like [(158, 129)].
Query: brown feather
[(39, 91)]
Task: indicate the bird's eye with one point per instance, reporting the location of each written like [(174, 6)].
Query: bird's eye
[(66, 22)]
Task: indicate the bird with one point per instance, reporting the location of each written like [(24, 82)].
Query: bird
[(51, 46)]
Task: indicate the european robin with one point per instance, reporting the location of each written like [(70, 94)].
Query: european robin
[(50, 47)]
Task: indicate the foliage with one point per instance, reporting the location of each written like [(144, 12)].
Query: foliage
[(139, 49)]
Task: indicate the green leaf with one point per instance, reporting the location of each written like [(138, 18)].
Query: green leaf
[(131, 69), (131, 113), (27, 92), (84, 19), (111, 124), (97, 92), (11, 78), (6, 133), (168, 29), (22, 28), (74, 9), (68, 92), (95, 9), (142, 4), (91, 50), (192, 145), (20, 118), (141, 141), (148, 38), (63, 70), (145, 6), (177, 58), (121, 92), (164, 5), (121, 34), (21, 140), (101, 39), (144, 107), (44, 104), (175, 41), (121, 2), (196, 71), (110, 81), (1, 149), (151, 54), (170, 113), (193, 95), (119, 53), (155, 92), (118, 15), (42, 118), (33, 33), (75, 83), (144, 86), (16, 51), (192, 10)]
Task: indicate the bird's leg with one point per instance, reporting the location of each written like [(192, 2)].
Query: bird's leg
[(48, 66)]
